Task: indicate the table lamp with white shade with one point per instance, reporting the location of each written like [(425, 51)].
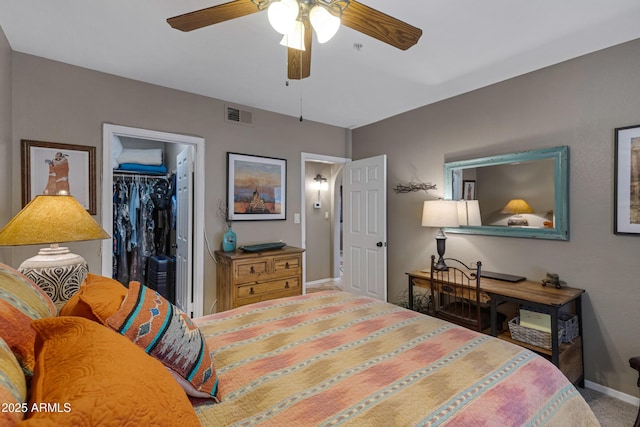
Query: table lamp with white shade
[(440, 214), (469, 213)]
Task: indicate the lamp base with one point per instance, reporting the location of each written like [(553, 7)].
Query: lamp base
[(58, 272), (441, 240), (517, 221), (440, 265)]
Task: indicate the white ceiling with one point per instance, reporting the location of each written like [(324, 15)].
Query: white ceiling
[(466, 44)]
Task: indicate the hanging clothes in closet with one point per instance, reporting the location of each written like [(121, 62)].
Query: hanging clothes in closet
[(143, 222)]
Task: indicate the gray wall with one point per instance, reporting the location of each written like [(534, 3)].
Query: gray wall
[(61, 103), (577, 103), (5, 127), (317, 227)]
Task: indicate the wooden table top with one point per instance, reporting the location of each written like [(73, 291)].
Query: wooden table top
[(526, 290)]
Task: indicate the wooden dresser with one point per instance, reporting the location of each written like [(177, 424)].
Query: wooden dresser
[(244, 278)]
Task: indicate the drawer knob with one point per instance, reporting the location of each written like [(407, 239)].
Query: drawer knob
[(286, 285), (251, 291), (286, 265), (252, 271)]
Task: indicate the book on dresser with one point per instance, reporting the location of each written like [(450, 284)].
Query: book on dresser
[(247, 277)]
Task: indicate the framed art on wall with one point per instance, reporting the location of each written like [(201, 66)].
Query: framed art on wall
[(256, 187), (54, 168), (469, 190), (627, 181)]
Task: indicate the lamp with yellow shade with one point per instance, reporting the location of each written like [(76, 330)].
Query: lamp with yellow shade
[(53, 219), (517, 207)]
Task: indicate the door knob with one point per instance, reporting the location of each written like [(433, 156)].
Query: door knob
[(379, 244)]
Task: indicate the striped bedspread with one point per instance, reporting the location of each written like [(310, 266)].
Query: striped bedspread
[(334, 358)]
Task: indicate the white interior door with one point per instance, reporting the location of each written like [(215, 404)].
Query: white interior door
[(365, 227), (184, 230)]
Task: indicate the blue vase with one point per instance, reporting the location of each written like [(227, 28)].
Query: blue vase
[(229, 240)]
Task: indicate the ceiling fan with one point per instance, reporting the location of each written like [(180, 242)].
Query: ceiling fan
[(296, 18)]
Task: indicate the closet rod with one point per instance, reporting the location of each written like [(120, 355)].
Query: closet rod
[(138, 175)]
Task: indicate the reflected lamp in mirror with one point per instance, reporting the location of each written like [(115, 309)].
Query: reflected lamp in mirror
[(469, 213), (516, 207), (321, 183), (440, 214), (52, 219)]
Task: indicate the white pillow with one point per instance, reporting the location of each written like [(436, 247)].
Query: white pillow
[(117, 149), (152, 156)]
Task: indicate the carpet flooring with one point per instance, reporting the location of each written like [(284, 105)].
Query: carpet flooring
[(611, 412)]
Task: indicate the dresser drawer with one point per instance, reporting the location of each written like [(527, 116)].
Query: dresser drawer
[(286, 263), (289, 284), (251, 270)]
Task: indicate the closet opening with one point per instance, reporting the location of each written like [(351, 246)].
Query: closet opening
[(152, 203)]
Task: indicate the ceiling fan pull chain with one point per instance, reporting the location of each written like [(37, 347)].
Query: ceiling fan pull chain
[(301, 103)]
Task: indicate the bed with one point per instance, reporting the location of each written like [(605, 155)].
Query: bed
[(334, 358), (110, 357)]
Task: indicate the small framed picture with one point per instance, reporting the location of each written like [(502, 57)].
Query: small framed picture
[(54, 168), (256, 187), (627, 181), (469, 190)]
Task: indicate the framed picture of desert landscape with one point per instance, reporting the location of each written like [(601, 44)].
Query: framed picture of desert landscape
[(626, 206), (256, 187), (54, 168)]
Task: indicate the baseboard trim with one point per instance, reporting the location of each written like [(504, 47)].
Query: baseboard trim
[(321, 281), (612, 393)]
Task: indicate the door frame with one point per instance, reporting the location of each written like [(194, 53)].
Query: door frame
[(311, 157), (108, 132)]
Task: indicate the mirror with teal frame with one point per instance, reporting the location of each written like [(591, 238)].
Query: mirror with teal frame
[(540, 177)]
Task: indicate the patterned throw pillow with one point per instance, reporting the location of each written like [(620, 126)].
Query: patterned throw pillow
[(21, 301), (19, 291), (167, 333), (13, 388), (91, 375)]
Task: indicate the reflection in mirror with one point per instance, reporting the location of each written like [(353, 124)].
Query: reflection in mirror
[(519, 195)]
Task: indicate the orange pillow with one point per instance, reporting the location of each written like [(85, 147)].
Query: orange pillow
[(21, 301), (91, 375), (18, 334), (98, 298)]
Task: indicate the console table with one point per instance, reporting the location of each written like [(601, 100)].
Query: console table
[(568, 357)]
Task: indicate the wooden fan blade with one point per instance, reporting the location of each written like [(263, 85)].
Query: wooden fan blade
[(299, 61), (380, 26), (213, 15)]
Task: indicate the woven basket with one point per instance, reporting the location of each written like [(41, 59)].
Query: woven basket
[(569, 323), (531, 336)]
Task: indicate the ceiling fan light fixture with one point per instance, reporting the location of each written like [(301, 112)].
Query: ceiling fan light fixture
[(324, 23), (295, 39), (282, 15)]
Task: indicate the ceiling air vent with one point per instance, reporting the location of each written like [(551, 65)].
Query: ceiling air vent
[(236, 115)]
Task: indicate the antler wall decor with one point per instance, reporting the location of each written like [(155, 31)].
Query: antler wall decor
[(407, 187)]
